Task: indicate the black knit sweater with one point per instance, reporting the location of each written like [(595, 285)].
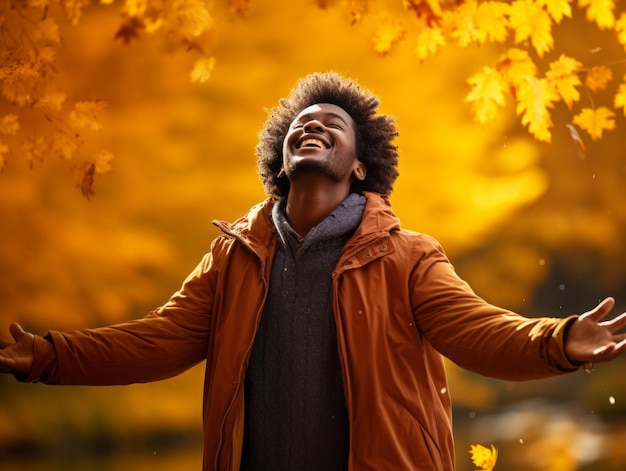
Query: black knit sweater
[(296, 416)]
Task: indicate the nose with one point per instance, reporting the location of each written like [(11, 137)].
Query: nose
[(313, 126)]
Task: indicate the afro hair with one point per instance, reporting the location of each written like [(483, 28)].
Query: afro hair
[(375, 132)]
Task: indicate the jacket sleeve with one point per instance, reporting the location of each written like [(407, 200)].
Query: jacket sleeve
[(166, 342), (479, 336)]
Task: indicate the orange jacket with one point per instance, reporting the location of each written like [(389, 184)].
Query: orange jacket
[(398, 306)]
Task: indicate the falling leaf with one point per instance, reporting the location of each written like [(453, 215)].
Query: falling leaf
[(595, 122), (564, 77), (84, 174), (573, 132), (387, 35), (202, 69), (598, 78), (487, 94), (65, 144), (484, 457)]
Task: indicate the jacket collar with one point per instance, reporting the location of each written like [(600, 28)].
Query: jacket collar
[(256, 229)]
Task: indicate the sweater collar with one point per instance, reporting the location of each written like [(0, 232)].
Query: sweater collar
[(341, 222)]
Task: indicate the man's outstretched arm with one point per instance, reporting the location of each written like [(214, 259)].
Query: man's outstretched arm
[(17, 357)]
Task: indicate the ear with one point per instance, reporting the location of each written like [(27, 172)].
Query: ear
[(360, 171)]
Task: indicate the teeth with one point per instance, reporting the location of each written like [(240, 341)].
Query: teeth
[(315, 142)]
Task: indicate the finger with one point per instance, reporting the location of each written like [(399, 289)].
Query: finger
[(16, 331), (616, 323), (601, 310)]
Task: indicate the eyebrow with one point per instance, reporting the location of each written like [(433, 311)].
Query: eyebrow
[(326, 114)]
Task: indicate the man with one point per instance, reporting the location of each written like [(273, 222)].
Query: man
[(322, 322)]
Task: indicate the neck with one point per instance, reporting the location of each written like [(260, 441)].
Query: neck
[(306, 209)]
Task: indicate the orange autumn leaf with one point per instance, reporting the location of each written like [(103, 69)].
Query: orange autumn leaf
[(492, 21), (389, 32), (429, 42), (202, 69), (86, 114), (598, 78), (483, 457), (595, 121), (9, 124)]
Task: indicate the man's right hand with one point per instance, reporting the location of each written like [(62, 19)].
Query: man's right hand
[(17, 357)]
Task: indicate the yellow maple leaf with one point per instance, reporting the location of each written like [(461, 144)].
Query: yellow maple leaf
[(34, 150), (492, 21), (515, 65), (598, 78), (47, 32), (9, 125), (534, 99), (188, 18), (102, 162), (388, 33), (620, 98), (429, 42), (563, 74), (531, 21), (595, 121), (484, 457), (463, 20), (620, 27), (487, 94), (135, 8), (65, 144), (202, 69), (51, 102), (558, 9), (86, 114), (600, 12)]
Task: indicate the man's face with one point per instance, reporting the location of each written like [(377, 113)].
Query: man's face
[(321, 139)]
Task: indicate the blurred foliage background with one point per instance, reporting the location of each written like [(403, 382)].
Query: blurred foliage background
[(534, 227)]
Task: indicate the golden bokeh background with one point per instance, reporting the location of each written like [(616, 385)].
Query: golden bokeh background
[(538, 228)]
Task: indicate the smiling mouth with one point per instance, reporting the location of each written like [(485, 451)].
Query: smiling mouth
[(312, 143)]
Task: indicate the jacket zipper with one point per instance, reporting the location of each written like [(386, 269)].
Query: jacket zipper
[(227, 230)]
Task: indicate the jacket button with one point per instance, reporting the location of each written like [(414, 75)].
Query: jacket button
[(384, 248), (360, 312), (368, 255)]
